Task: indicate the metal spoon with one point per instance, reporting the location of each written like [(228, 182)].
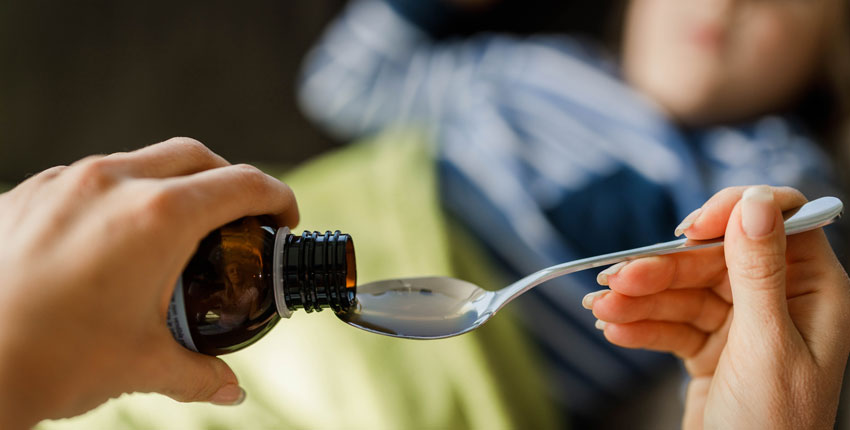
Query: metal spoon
[(439, 307)]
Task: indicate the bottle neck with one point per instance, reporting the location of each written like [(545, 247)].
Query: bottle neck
[(313, 271)]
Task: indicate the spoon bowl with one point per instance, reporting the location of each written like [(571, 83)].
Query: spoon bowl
[(439, 307), (420, 308)]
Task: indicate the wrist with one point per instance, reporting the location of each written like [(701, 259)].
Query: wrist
[(29, 387), (18, 401)]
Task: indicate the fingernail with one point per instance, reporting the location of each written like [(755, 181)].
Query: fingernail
[(602, 277), (228, 395), (587, 301), (687, 222), (758, 214), (600, 325)]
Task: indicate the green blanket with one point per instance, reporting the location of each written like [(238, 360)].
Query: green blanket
[(314, 372)]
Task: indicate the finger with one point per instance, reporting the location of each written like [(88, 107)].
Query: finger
[(700, 308), (816, 280), (193, 377), (709, 221), (705, 361), (43, 176), (215, 197), (177, 156), (695, 400), (810, 256), (681, 339), (824, 331), (755, 258), (694, 269)]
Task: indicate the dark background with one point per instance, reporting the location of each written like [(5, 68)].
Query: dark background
[(85, 77)]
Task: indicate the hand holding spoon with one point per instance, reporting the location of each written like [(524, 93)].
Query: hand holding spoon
[(439, 307)]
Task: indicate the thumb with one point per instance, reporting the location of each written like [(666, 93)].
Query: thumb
[(194, 377), (755, 257)]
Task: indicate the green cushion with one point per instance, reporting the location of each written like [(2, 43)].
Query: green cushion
[(313, 371)]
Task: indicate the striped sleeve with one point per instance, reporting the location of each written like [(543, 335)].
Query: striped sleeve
[(373, 67)]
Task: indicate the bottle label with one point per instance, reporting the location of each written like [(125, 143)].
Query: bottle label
[(177, 322)]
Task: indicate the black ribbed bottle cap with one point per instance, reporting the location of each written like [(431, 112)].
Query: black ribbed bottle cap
[(319, 271)]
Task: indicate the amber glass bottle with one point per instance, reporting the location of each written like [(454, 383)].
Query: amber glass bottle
[(248, 274)]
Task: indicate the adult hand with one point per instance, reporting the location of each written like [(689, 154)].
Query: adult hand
[(91, 253), (761, 324)]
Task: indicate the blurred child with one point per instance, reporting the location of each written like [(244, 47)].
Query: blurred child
[(550, 149)]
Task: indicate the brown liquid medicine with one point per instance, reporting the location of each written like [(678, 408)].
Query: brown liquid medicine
[(248, 274)]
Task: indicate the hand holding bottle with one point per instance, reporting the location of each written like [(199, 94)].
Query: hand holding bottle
[(778, 361), (90, 258)]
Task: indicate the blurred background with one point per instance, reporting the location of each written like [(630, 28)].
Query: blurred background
[(104, 76), (79, 78), (86, 77)]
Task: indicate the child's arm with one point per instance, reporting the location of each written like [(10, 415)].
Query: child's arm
[(375, 66)]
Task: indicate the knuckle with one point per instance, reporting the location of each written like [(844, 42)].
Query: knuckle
[(51, 172), (792, 196), (287, 190), (191, 148), (790, 190), (86, 160), (202, 389), (248, 170), (44, 176), (761, 266), (94, 173), (730, 192), (250, 176), (735, 189), (190, 390), (115, 156), (158, 206), (197, 390), (186, 142)]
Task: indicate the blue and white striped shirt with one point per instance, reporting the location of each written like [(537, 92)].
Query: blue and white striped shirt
[(547, 156)]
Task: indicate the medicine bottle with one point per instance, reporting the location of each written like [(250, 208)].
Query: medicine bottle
[(248, 274)]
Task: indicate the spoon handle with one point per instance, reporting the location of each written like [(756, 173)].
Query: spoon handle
[(812, 215)]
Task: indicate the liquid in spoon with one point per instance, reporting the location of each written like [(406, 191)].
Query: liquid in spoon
[(418, 308)]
